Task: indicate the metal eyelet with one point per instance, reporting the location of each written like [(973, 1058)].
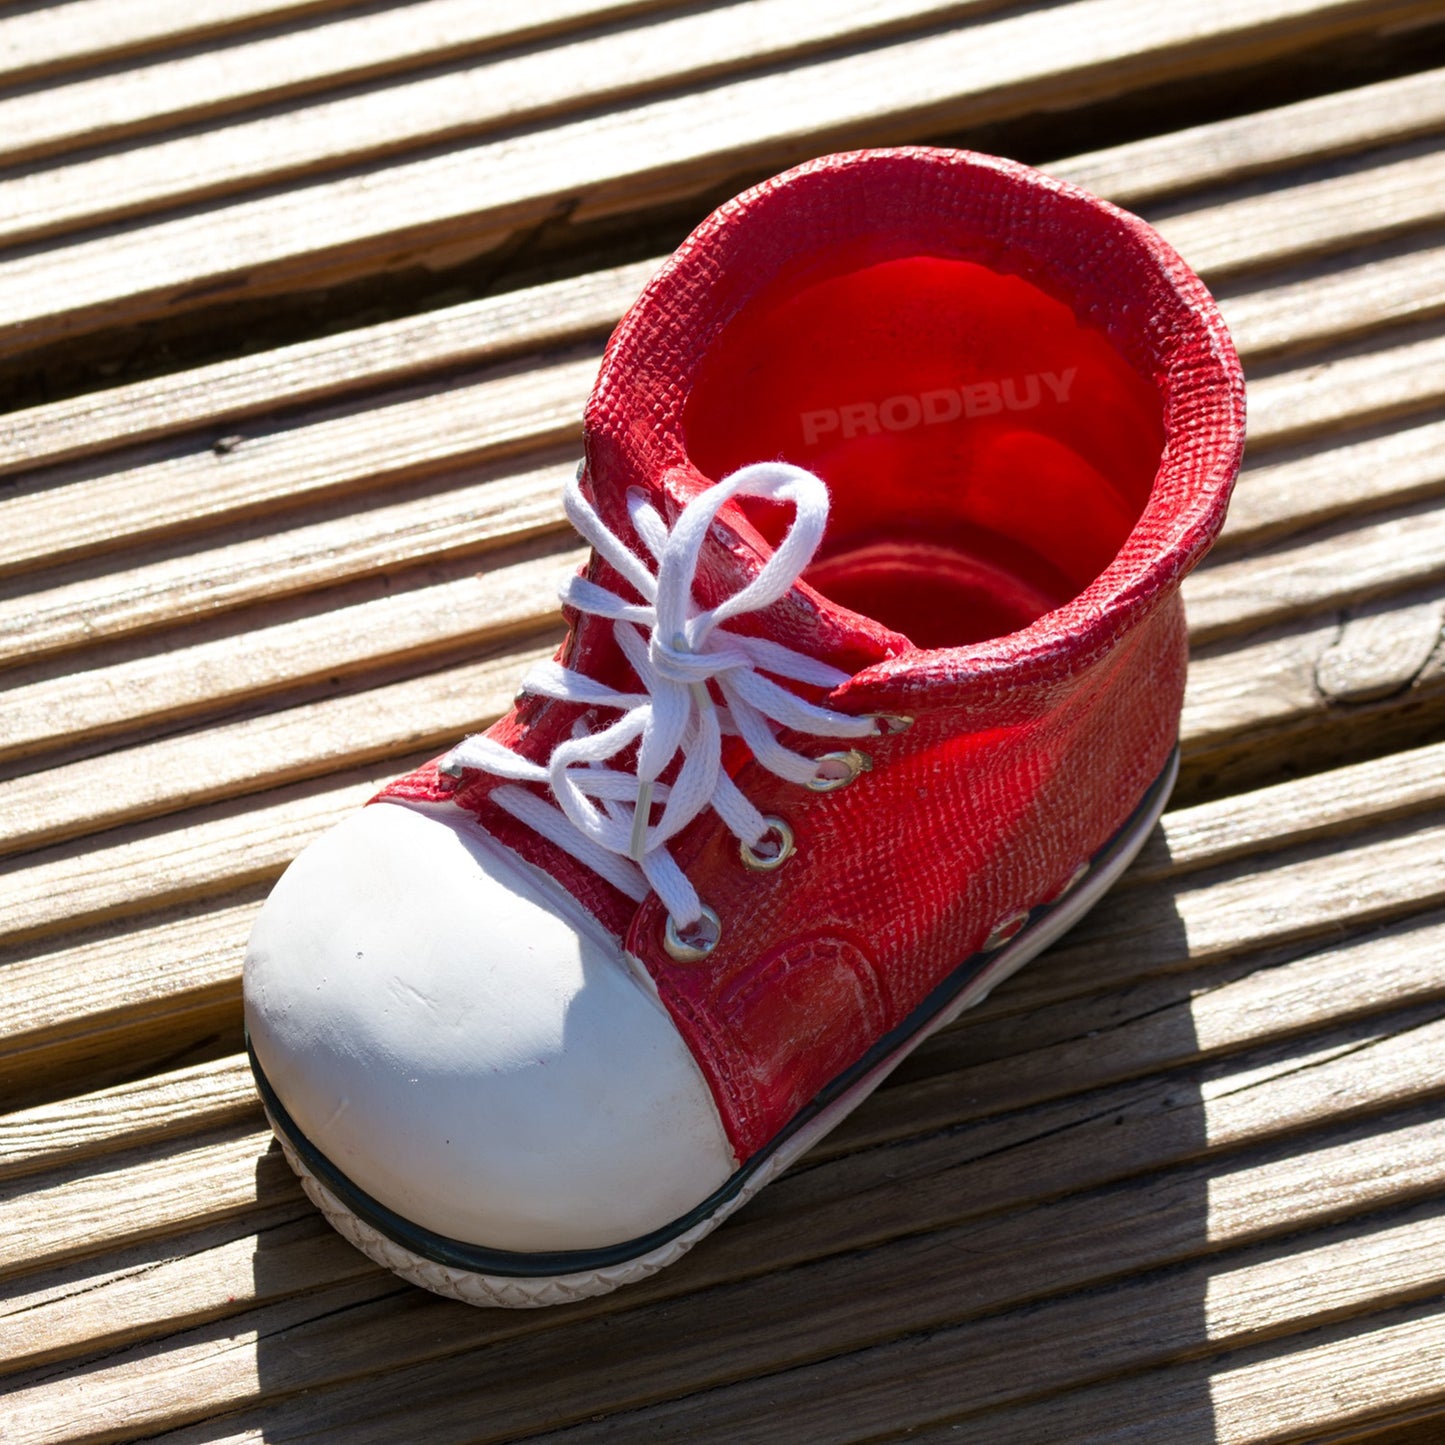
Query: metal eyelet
[(694, 942), (1006, 929), (781, 838), (837, 770), (1069, 884), (887, 723)]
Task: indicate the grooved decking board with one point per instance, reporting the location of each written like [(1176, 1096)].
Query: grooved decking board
[(164, 775), (330, 52), (1067, 1343), (1352, 1375), (535, 86), (562, 311), (315, 234), (1253, 1106), (58, 37)]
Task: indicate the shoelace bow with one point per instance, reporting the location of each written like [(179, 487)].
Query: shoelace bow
[(603, 816)]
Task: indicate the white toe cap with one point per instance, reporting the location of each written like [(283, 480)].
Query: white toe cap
[(467, 1045)]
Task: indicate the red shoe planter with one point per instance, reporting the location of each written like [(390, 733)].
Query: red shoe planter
[(818, 765)]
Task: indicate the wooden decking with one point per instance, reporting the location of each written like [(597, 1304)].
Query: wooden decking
[(298, 306)]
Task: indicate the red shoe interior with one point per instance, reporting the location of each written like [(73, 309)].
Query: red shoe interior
[(987, 454)]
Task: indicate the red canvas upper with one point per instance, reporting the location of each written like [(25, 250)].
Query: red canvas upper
[(1029, 416)]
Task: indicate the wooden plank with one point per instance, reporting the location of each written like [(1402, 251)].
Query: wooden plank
[(155, 1288), (1297, 896), (159, 978), (128, 1116), (1259, 709), (122, 1297), (191, 1380), (1290, 814), (168, 774), (1236, 692), (1346, 566), (1382, 383), (480, 512), (564, 311), (1007, 1059), (248, 73), (953, 1375), (1224, 599), (1200, 1016), (41, 41), (115, 1001), (68, 1213), (409, 437), (515, 596), (310, 457), (1369, 202), (201, 855), (519, 88), (1233, 150), (559, 313), (1317, 483), (1375, 1369), (222, 850), (1333, 303), (475, 195)]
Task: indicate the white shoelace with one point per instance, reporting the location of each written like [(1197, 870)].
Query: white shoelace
[(604, 817)]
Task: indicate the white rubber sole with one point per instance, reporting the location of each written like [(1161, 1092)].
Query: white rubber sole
[(531, 1291)]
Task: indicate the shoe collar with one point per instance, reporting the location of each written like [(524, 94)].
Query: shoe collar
[(910, 201)]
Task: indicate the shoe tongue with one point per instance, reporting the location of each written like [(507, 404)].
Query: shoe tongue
[(803, 619)]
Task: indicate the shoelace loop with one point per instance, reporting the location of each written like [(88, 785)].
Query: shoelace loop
[(603, 815)]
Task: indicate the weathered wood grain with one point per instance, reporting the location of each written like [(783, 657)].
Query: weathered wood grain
[(276, 748), (1381, 383), (270, 560), (1328, 305), (1210, 1119), (512, 597), (1343, 568), (1336, 303), (250, 72), (1086, 1237), (115, 1000), (532, 318), (1231, 151), (1370, 201), (191, 1380), (1006, 1059), (163, 1285), (477, 195), (1225, 599), (189, 1101), (399, 438), (44, 40), (1289, 814), (1332, 1386), (201, 857), (519, 88), (954, 1374), (1323, 481), (1290, 897), (446, 428), (74, 1211), (223, 850)]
